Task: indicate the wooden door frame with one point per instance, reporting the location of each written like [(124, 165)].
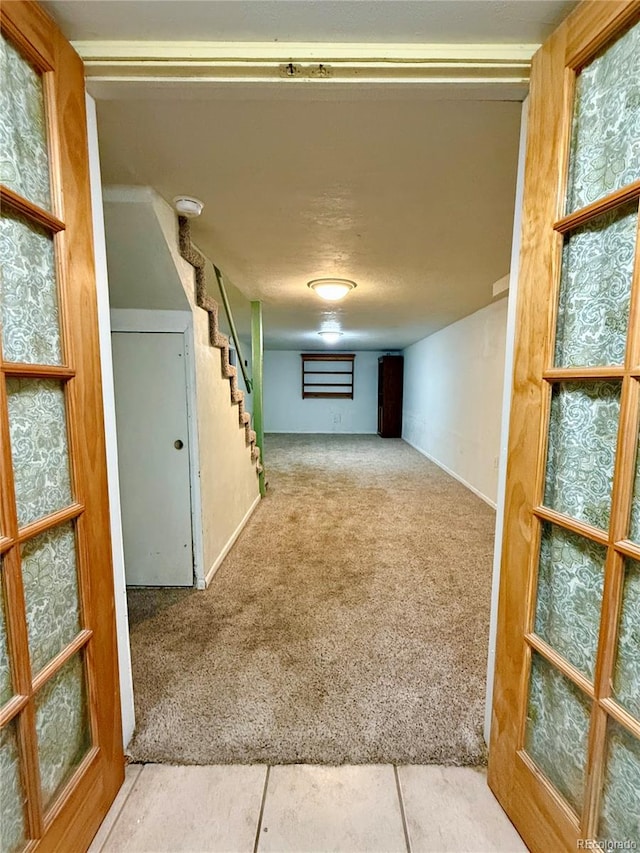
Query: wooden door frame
[(587, 29)]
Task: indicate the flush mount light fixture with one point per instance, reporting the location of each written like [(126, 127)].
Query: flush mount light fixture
[(330, 337), (188, 206), (331, 289)]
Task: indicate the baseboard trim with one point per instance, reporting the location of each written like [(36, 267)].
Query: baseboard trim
[(451, 473), (314, 432), (214, 568)]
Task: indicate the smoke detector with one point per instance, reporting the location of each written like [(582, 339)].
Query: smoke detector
[(188, 206)]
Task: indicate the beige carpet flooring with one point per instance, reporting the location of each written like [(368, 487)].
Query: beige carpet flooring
[(349, 623)]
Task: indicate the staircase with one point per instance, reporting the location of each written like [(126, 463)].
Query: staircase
[(203, 300)]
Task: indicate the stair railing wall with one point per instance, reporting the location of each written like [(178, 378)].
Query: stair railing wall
[(217, 339)]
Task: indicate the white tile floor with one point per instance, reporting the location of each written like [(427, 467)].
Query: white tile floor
[(305, 809)]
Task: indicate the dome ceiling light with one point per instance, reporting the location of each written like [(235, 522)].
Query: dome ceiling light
[(330, 337), (331, 289)]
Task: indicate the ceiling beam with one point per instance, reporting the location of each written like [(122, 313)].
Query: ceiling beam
[(328, 65)]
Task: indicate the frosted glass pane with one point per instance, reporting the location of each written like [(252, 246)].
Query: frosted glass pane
[(51, 593), (39, 447), (12, 798), (28, 293), (570, 581), (620, 806), (605, 143), (626, 678), (6, 691), (24, 162), (62, 725), (595, 289), (582, 442), (557, 729)]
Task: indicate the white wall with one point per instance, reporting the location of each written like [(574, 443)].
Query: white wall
[(453, 383), (506, 414), (227, 489), (104, 325), (286, 411), (142, 274), (228, 478)]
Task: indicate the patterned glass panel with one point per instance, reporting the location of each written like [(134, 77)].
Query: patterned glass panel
[(28, 293), (51, 592), (626, 678), (595, 288), (557, 729), (12, 798), (582, 442), (39, 448), (62, 725), (570, 580), (6, 691), (620, 806), (24, 162), (605, 144)]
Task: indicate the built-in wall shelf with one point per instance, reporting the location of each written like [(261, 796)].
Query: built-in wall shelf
[(327, 375)]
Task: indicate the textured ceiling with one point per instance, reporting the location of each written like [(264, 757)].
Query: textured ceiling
[(413, 200), (382, 21)]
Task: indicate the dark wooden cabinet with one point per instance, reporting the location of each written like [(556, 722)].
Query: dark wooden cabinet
[(390, 378)]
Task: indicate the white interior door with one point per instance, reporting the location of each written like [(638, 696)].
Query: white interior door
[(152, 426)]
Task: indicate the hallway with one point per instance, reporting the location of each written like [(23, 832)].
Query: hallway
[(348, 625)]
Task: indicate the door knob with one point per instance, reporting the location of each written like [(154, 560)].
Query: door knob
[(178, 444)]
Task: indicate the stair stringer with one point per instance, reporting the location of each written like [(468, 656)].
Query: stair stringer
[(216, 338)]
